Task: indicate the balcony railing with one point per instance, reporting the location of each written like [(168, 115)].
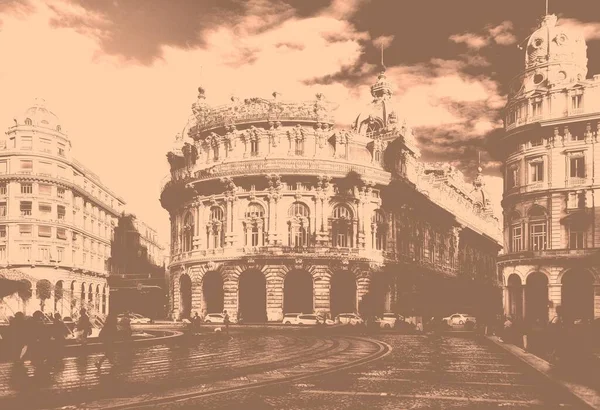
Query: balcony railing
[(548, 253), (576, 181)]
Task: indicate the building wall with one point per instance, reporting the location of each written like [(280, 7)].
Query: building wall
[(247, 177), (54, 212), (551, 166)]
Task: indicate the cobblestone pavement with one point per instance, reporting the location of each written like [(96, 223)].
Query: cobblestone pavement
[(421, 371), (204, 364)]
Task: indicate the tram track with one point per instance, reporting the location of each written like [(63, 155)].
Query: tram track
[(344, 344), (245, 362)]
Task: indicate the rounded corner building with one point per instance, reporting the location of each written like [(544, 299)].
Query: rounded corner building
[(56, 221), (551, 161), (274, 210)]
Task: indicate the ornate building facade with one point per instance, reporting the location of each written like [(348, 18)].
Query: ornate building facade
[(551, 162), (56, 220), (274, 209)]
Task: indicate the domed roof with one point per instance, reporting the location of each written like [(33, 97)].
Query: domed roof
[(39, 116), (551, 44)]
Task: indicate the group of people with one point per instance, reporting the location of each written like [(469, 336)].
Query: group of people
[(196, 322), (41, 338), (561, 340)]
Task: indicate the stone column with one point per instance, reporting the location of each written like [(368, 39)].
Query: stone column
[(314, 217), (198, 231), (322, 286), (274, 276), (197, 297), (228, 224), (107, 298), (554, 295), (176, 299), (596, 301), (361, 220), (362, 286), (230, 290)]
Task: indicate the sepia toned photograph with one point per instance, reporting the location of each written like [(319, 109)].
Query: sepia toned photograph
[(299, 204)]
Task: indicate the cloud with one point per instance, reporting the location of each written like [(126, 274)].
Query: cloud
[(383, 41), (500, 34), (591, 30), (472, 41), (344, 9), (123, 93)]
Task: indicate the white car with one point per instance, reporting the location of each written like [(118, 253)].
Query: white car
[(290, 318), (135, 318), (308, 319), (349, 318), (214, 318), (459, 319), (390, 320)]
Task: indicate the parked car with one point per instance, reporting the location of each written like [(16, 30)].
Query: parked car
[(214, 318), (290, 318), (349, 319), (135, 318), (390, 320), (460, 319), (308, 319)]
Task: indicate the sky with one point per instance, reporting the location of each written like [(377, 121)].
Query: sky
[(122, 74)]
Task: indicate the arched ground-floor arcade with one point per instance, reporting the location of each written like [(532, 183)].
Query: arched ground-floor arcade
[(532, 294), (54, 291), (258, 293)]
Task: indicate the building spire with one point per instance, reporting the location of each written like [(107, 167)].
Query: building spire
[(382, 64), (546, 7)]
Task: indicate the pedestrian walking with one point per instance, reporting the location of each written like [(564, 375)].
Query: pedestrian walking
[(196, 322), (39, 337), (84, 326), (125, 325), (58, 333), (226, 321), (18, 337), (108, 336), (557, 337)]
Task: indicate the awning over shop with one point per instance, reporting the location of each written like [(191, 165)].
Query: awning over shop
[(9, 287), (13, 280)]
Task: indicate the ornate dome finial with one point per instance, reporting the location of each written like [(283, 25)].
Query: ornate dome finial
[(201, 93), (39, 102)]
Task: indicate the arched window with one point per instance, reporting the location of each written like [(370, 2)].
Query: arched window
[(298, 225), (58, 128), (254, 224), (216, 228), (254, 147), (378, 156), (371, 126), (379, 229), (299, 145), (516, 232), (28, 121), (187, 236), (537, 228), (342, 226)]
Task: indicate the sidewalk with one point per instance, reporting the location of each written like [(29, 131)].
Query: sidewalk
[(585, 393)]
